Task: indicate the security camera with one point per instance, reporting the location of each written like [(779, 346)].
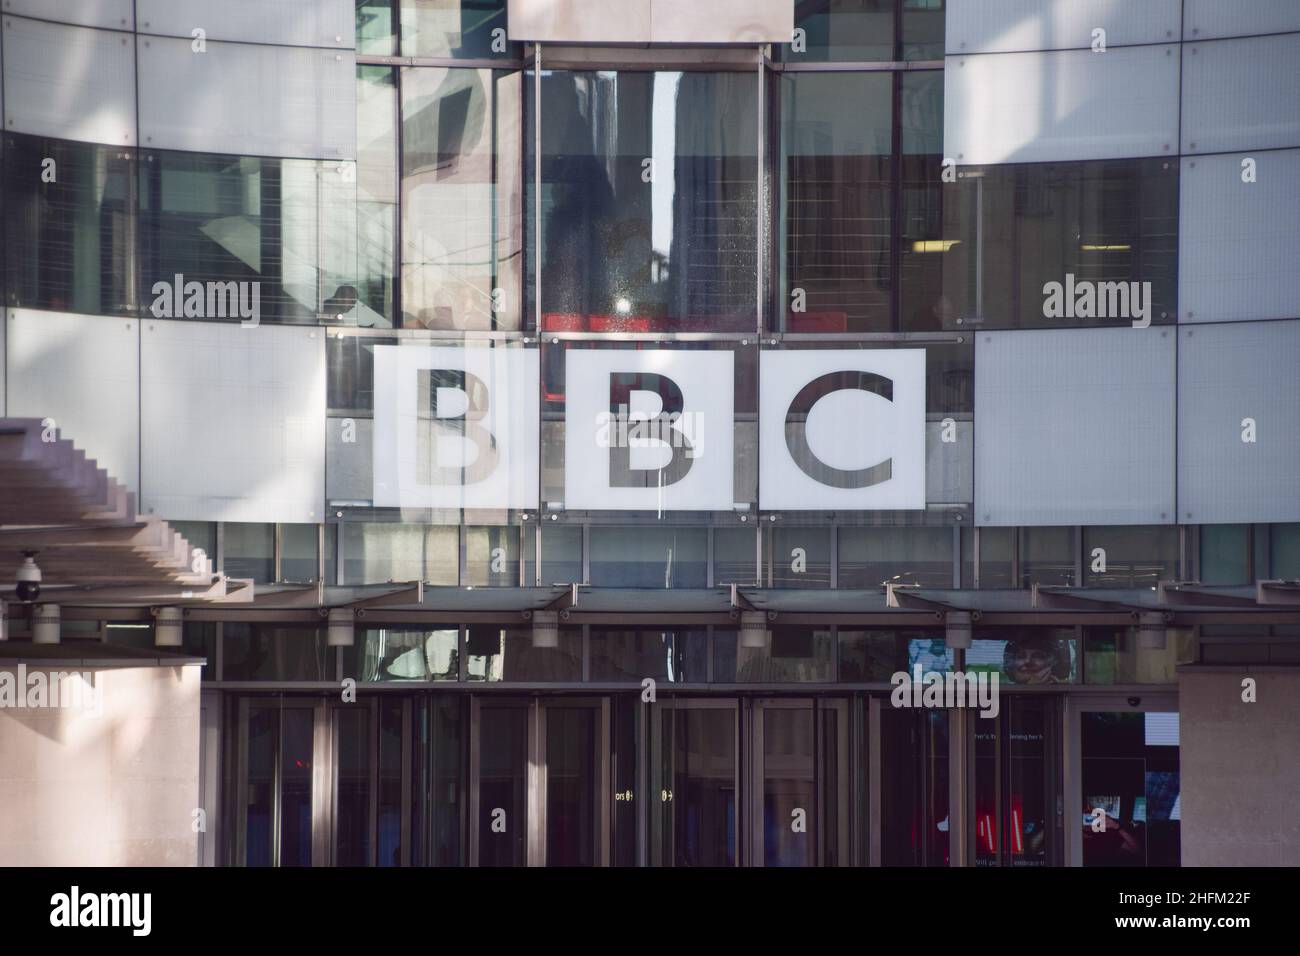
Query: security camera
[(1134, 701), (29, 578)]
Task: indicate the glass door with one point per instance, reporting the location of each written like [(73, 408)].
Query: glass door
[(800, 788), (694, 783), (575, 814), (1123, 785), (503, 782), (277, 777)]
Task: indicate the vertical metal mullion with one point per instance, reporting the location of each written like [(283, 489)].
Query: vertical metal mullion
[(277, 550), (975, 559), (875, 852), (604, 781), (586, 553), (835, 556), (406, 744), (956, 556), (896, 194), (643, 793), (1077, 537), (537, 191), (959, 763), (535, 785), (760, 192)]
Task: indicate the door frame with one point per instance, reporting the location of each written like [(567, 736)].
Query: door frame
[(604, 788), (1157, 699)]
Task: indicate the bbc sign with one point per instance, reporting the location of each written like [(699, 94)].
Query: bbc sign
[(649, 430)]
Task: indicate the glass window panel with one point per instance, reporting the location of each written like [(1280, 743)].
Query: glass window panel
[(561, 554), (801, 558), (923, 243), (923, 29), (200, 534), (841, 30), (509, 654), (353, 743), (459, 29), (997, 549), (380, 553), (649, 201), (870, 557), (1113, 221), (914, 794), (735, 556), (462, 218), (437, 781), (331, 554), (283, 230), (835, 201), (70, 242), (249, 551), (789, 777), (1115, 655), (392, 725), (668, 656), (299, 554), (266, 652), (788, 654), (1284, 543), (1132, 557), (1225, 554), (876, 655), (376, 27), (398, 654), (199, 638), (376, 195), (1131, 774), (503, 755), (1046, 556), (491, 557), (649, 557)]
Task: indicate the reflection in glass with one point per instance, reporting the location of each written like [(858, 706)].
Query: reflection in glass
[(459, 29), (788, 654), (1115, 655), (249, 551), (281, 653), (503, 786), (462, 218), (844, 30), (491, 557), (801, 558), (666, 656), (571, 786), (923, 245), (1132, 556), (376, 27), (649, 201), (393, 654), (1130, 789), (835, 208), (871, 557), (1098, 221), (376, 195), (1225, 554), (284, 228), (923, 29), (296, 754), (1046, 556), (695, 811), (436, 772), (513, 654), (1025, 655), (876, 655), (69, 244), (648, 557), (380, 553), (788, 777)]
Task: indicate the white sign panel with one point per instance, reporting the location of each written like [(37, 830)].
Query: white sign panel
[(842, 429), (456, 427), (648, 430)]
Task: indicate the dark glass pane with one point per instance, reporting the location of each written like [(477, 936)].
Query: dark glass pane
[(460, 29), (923, 245), (250, 551), (199, 638), (1130, 789), (380, 553), (1046, 556), (462, 219), (394, 654), (491, 557), (299, 557), (877, 655), (735, 556), (701, 796), (389, 796), (265, 652), (1129, 557), (437, 777), (923, 29), (914, 791), (1284, 543), (841, 30), (625, 710), (788, 782), (571, 786), (376, 195), (377, 27), (561, 554), (1028, 813), (835, 203), (253, 240), (649, 201), (296, 756), (997, 550), (1099, 221), (870, 557), (1225, 554), (649, 557), (1116, 655), (503, 786), (801, 558), (352, 797), (69, 242), (259, 803), (515, 654), (787, 654), (668, 656)]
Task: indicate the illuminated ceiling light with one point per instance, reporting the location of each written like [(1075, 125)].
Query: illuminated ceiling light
[(546, 629), (167, 627), (623, 306), (934, 245), (340, 632), (1090, 247), (753, 629)]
